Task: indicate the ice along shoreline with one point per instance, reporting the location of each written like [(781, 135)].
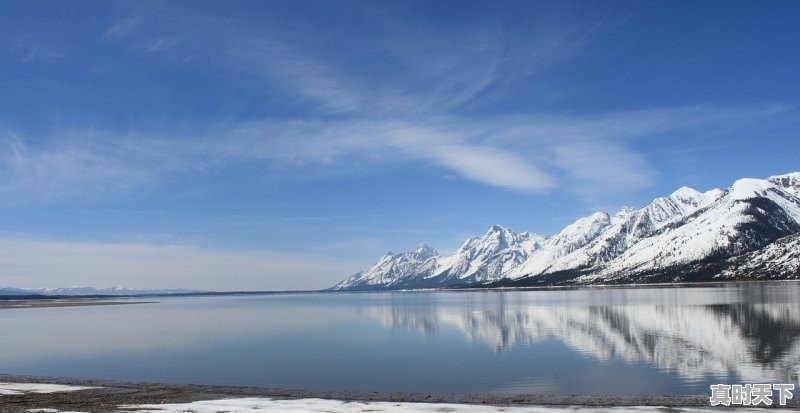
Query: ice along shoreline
[(105, 396)]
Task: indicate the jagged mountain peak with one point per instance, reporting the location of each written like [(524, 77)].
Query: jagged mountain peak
[(584, 227), (681, 202), (747, 188), (788, 182), (501, 237), (529, 234), (393, 269), (425, 251), (684, 228), (626, 210), (595, 240), (497, 231), (597, 216), (552, 249), (691, 197), (496, 237), (686, 192), (795, 176), (585, 222), (623, 214), (713, 194), (422, 251), (486, 258)]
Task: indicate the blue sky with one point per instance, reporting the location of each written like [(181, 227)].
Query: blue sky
[(285, 145)]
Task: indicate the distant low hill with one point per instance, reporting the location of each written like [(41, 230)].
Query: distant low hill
[(86, 291)]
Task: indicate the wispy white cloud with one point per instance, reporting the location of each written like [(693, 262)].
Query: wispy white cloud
[(282, 67), (388, 118), (134, 32), (339, 144), (332, 217), (44, 54), (81, 165), (409, 69), (163, 266), (122, 28), (597, 168), (588, 155), (407, 111), (493, 166), (157, 44)]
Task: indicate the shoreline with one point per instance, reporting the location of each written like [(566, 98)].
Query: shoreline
[(107, 395), (62, 302), (475, 288)]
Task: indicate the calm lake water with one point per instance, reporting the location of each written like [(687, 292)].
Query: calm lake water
[(587, 341)]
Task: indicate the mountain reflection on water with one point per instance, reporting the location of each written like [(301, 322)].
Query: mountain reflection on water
[(750, 333)]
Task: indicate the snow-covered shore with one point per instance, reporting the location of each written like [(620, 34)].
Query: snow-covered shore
[(298, 405), (263, 405), (41, 388)]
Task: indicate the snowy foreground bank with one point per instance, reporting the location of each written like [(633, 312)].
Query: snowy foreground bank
[(310, 405), (336, 406), (41, 388)]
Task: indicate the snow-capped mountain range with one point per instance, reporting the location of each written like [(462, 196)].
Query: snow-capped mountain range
[(749, 230)]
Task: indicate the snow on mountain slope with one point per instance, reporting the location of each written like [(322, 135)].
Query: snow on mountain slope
[(571, 238), (479, 259), (626, 228), (714, 194), (750, 214), (393, 269), (684, 228), (489, 257), (779, 260), (789, 182)]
